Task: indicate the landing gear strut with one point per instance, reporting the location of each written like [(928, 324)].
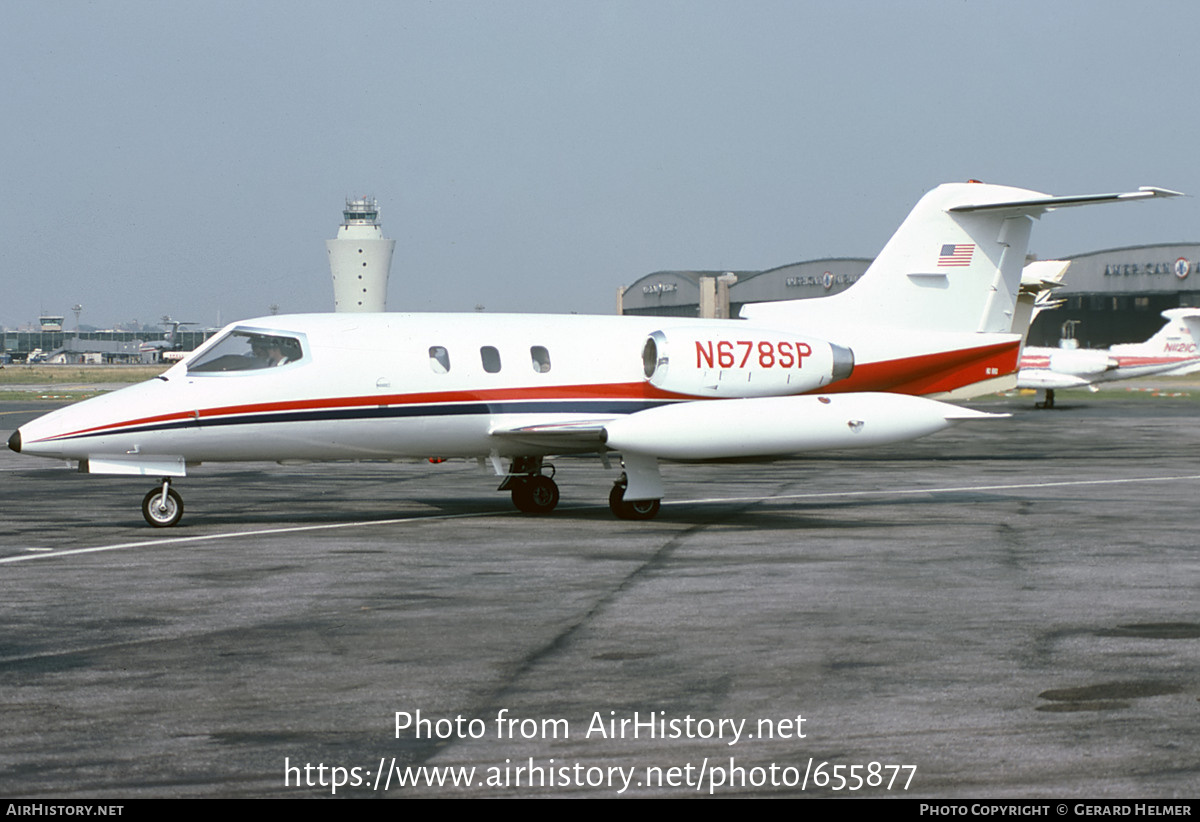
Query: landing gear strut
[(1049, 401), (635, 509), (163, 506), (532, 491)]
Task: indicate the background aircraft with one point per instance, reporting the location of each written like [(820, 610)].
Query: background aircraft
[(168, 347), (1170, 351), (931, 319)]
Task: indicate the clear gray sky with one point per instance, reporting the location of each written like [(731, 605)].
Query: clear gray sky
[(191, 158)]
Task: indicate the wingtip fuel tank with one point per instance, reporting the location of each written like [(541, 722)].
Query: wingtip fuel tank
[(765, 426)]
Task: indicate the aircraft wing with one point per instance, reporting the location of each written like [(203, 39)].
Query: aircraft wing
[(1187, 367), (749, 427)]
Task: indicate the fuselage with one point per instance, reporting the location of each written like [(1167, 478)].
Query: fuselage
[(346, 386)]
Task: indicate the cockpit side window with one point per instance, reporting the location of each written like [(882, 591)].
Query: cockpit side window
[(246, 350)]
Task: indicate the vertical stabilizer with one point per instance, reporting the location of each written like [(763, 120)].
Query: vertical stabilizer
[(1181, 334), (948, 271), (954, 265), (1180, 337), (1189, 319)]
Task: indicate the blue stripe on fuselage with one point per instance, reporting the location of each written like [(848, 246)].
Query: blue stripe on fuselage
[(391, 412)]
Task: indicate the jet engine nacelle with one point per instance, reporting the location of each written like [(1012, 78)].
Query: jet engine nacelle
[(1081, 361), (723, 361)]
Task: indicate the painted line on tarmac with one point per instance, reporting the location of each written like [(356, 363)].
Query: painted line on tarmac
[(295, 529), (909, 491), (149, 543)]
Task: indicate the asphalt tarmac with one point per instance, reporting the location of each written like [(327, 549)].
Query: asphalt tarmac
[(1006, 610)]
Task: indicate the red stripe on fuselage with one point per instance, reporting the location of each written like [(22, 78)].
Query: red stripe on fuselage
[(1134, 361), (932, 373), (1123, 361)]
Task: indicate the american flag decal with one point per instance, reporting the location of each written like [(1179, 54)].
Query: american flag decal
[(956, 254)]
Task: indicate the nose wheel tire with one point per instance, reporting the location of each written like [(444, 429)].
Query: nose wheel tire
[(636, 509), (536, 495), (158, 514)]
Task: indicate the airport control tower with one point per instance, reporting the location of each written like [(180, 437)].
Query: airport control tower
[(360, 259)]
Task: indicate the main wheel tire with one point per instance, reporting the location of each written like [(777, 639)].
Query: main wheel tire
[(638, 509), (536, 495), (156, 513)]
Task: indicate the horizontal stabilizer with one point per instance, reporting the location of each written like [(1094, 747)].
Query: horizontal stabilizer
[(1043, 275), (1035, 206)]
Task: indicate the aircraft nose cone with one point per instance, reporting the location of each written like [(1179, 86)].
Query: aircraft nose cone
[(14, 442)]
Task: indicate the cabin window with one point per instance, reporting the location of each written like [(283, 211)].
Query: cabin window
[(491, 359), (248, 350), (439, 359), (541, 359)]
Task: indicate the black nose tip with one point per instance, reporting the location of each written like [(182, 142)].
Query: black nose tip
[(14, 442)]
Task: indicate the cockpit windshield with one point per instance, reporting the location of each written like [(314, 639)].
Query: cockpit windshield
[(246, 350)]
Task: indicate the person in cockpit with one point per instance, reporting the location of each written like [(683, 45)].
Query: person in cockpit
[(266, 351), (271, 351)]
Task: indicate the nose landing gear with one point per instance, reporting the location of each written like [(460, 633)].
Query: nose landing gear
[(163, 506)]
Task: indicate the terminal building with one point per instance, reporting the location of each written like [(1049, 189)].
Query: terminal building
[(51, 345), (1115, 296)]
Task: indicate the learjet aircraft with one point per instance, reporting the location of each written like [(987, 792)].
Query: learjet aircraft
[(932, 319)]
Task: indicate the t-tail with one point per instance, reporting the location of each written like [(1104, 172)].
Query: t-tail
[(1179, 337), (947, 281)]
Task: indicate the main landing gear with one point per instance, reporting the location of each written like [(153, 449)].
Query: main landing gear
[(532, 491), (635, 509), (1049, 401), (536, 493), (163, 506)]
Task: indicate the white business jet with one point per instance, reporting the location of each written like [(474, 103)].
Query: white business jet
[(931, 319), (1171, 351)]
